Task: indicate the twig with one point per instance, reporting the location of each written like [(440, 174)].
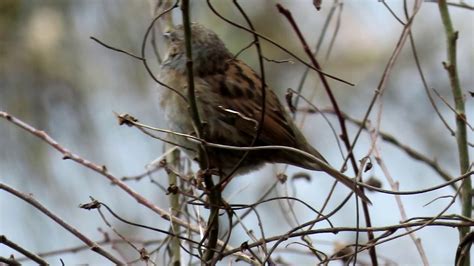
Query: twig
[(394, 185), (244, 49), (392, 12), (143, 50), (459, 116), (115, 49), (328, 19)]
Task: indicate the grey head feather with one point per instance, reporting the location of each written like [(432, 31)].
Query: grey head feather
[(210, 55)]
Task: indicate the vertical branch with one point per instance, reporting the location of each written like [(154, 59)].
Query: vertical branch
[(175, 249), (461, 134), (193, 110), (213, 190), (344, 134)]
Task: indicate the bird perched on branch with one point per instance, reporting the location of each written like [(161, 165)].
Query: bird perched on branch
[(229, 95)]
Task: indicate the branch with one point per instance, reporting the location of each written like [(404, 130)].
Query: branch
[(344, 134), (102, 170), (277, 45), (461, 130), (93, 245), (4, 240), (174, 159)]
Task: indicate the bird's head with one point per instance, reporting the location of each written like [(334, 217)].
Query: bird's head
[(208, 51)]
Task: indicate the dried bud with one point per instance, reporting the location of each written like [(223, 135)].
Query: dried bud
[(289, 100), (172, 189), (282, 177), (94, 204), (368, 166), (126, 119), (144, 255), (244, 245)]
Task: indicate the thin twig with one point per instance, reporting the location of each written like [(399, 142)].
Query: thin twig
[(328, 19), (460, 116), (395, 187), (392, 12)]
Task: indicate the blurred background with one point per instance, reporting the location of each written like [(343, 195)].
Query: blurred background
[(54, 77)]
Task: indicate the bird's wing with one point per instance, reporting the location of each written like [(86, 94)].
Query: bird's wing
[(238, 99)]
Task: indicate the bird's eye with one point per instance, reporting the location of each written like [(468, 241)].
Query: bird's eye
[(167, 35), (170, 36)]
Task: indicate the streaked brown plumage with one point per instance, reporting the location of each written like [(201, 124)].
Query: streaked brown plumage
[(229, 97)]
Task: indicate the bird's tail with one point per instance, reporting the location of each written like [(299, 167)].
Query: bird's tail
[(323, 165)]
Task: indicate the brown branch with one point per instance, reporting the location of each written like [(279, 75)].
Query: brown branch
[(4, 240), (10, 262), (102, 170), (276, 44), (388, 228), (344, 135), (32, 201), (303, 153)]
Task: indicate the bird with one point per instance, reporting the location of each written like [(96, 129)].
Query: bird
[(228, 95)]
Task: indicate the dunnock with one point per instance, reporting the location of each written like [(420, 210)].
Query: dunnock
[(229, 96)]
